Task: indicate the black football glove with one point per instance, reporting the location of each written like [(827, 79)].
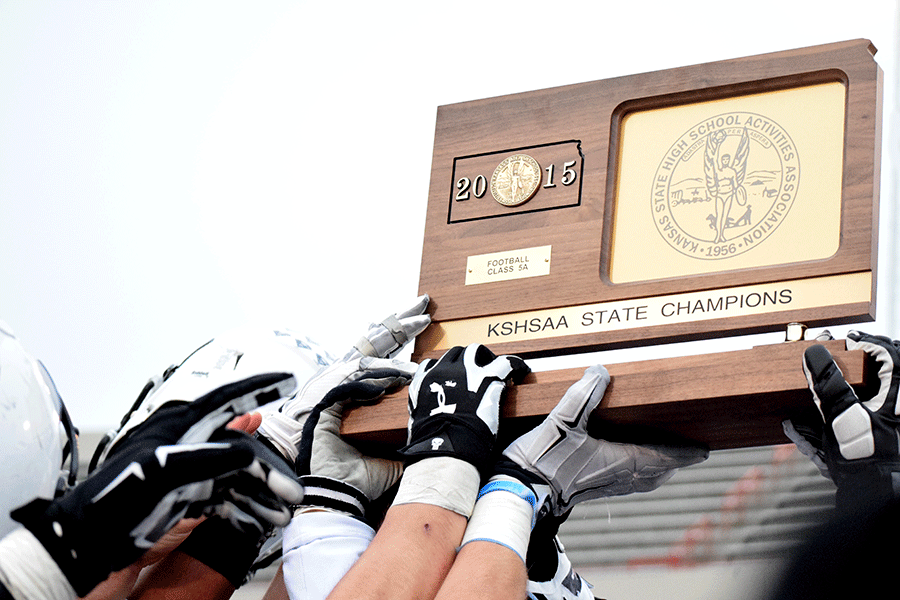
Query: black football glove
[(855, 440), (180, 463), (454, 404)]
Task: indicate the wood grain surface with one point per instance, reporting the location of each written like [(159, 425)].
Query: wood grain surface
[(726, 400)]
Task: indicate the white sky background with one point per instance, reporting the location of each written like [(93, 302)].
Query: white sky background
[(169, 170)]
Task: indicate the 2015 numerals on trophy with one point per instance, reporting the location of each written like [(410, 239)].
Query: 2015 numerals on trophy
[(477, 187)]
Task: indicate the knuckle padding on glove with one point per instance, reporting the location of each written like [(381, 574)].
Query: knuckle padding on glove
[(258, 389), (175, 418), (853, 432)]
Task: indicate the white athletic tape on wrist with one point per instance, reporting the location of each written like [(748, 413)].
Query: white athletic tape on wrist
[(443, 481), (28, 571), (504, 514)]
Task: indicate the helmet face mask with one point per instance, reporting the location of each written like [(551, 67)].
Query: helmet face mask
[(36, 431)]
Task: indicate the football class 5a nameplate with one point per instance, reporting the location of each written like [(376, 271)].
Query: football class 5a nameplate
[(731, 197)]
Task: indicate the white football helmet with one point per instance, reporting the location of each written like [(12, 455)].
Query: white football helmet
[(234, 355), (36, 433)]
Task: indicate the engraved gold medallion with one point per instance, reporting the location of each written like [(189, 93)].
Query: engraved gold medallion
[(745, 178), (515, 180)]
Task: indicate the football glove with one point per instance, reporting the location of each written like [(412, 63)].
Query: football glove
[(854, 440), (306, 429), (454, 404), (180, 463), (565, 465), (550, 573), (386, 339)]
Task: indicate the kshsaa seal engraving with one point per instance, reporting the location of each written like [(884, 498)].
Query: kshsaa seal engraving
[(725, 185), (515, 180)]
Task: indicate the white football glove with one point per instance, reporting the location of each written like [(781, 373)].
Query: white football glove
[(306, 429)]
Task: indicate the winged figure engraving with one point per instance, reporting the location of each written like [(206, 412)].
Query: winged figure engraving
[(725, 177)]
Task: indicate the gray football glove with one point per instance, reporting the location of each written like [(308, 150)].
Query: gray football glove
[(567, 465), (386, 339), (307, 430)]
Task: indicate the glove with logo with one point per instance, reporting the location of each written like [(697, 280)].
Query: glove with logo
[(180, 463), (454, 404), (454, 414), (854, 439)]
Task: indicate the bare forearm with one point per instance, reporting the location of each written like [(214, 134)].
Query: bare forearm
[(277, 589), (485, 570), (181, 576), (409, 558)]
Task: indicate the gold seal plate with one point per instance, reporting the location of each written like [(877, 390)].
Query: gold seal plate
[(515, 180)]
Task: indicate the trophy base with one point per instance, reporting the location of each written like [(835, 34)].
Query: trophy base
[(731, 399)]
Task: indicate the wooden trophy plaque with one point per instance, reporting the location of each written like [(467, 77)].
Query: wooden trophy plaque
[(720, 199)]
